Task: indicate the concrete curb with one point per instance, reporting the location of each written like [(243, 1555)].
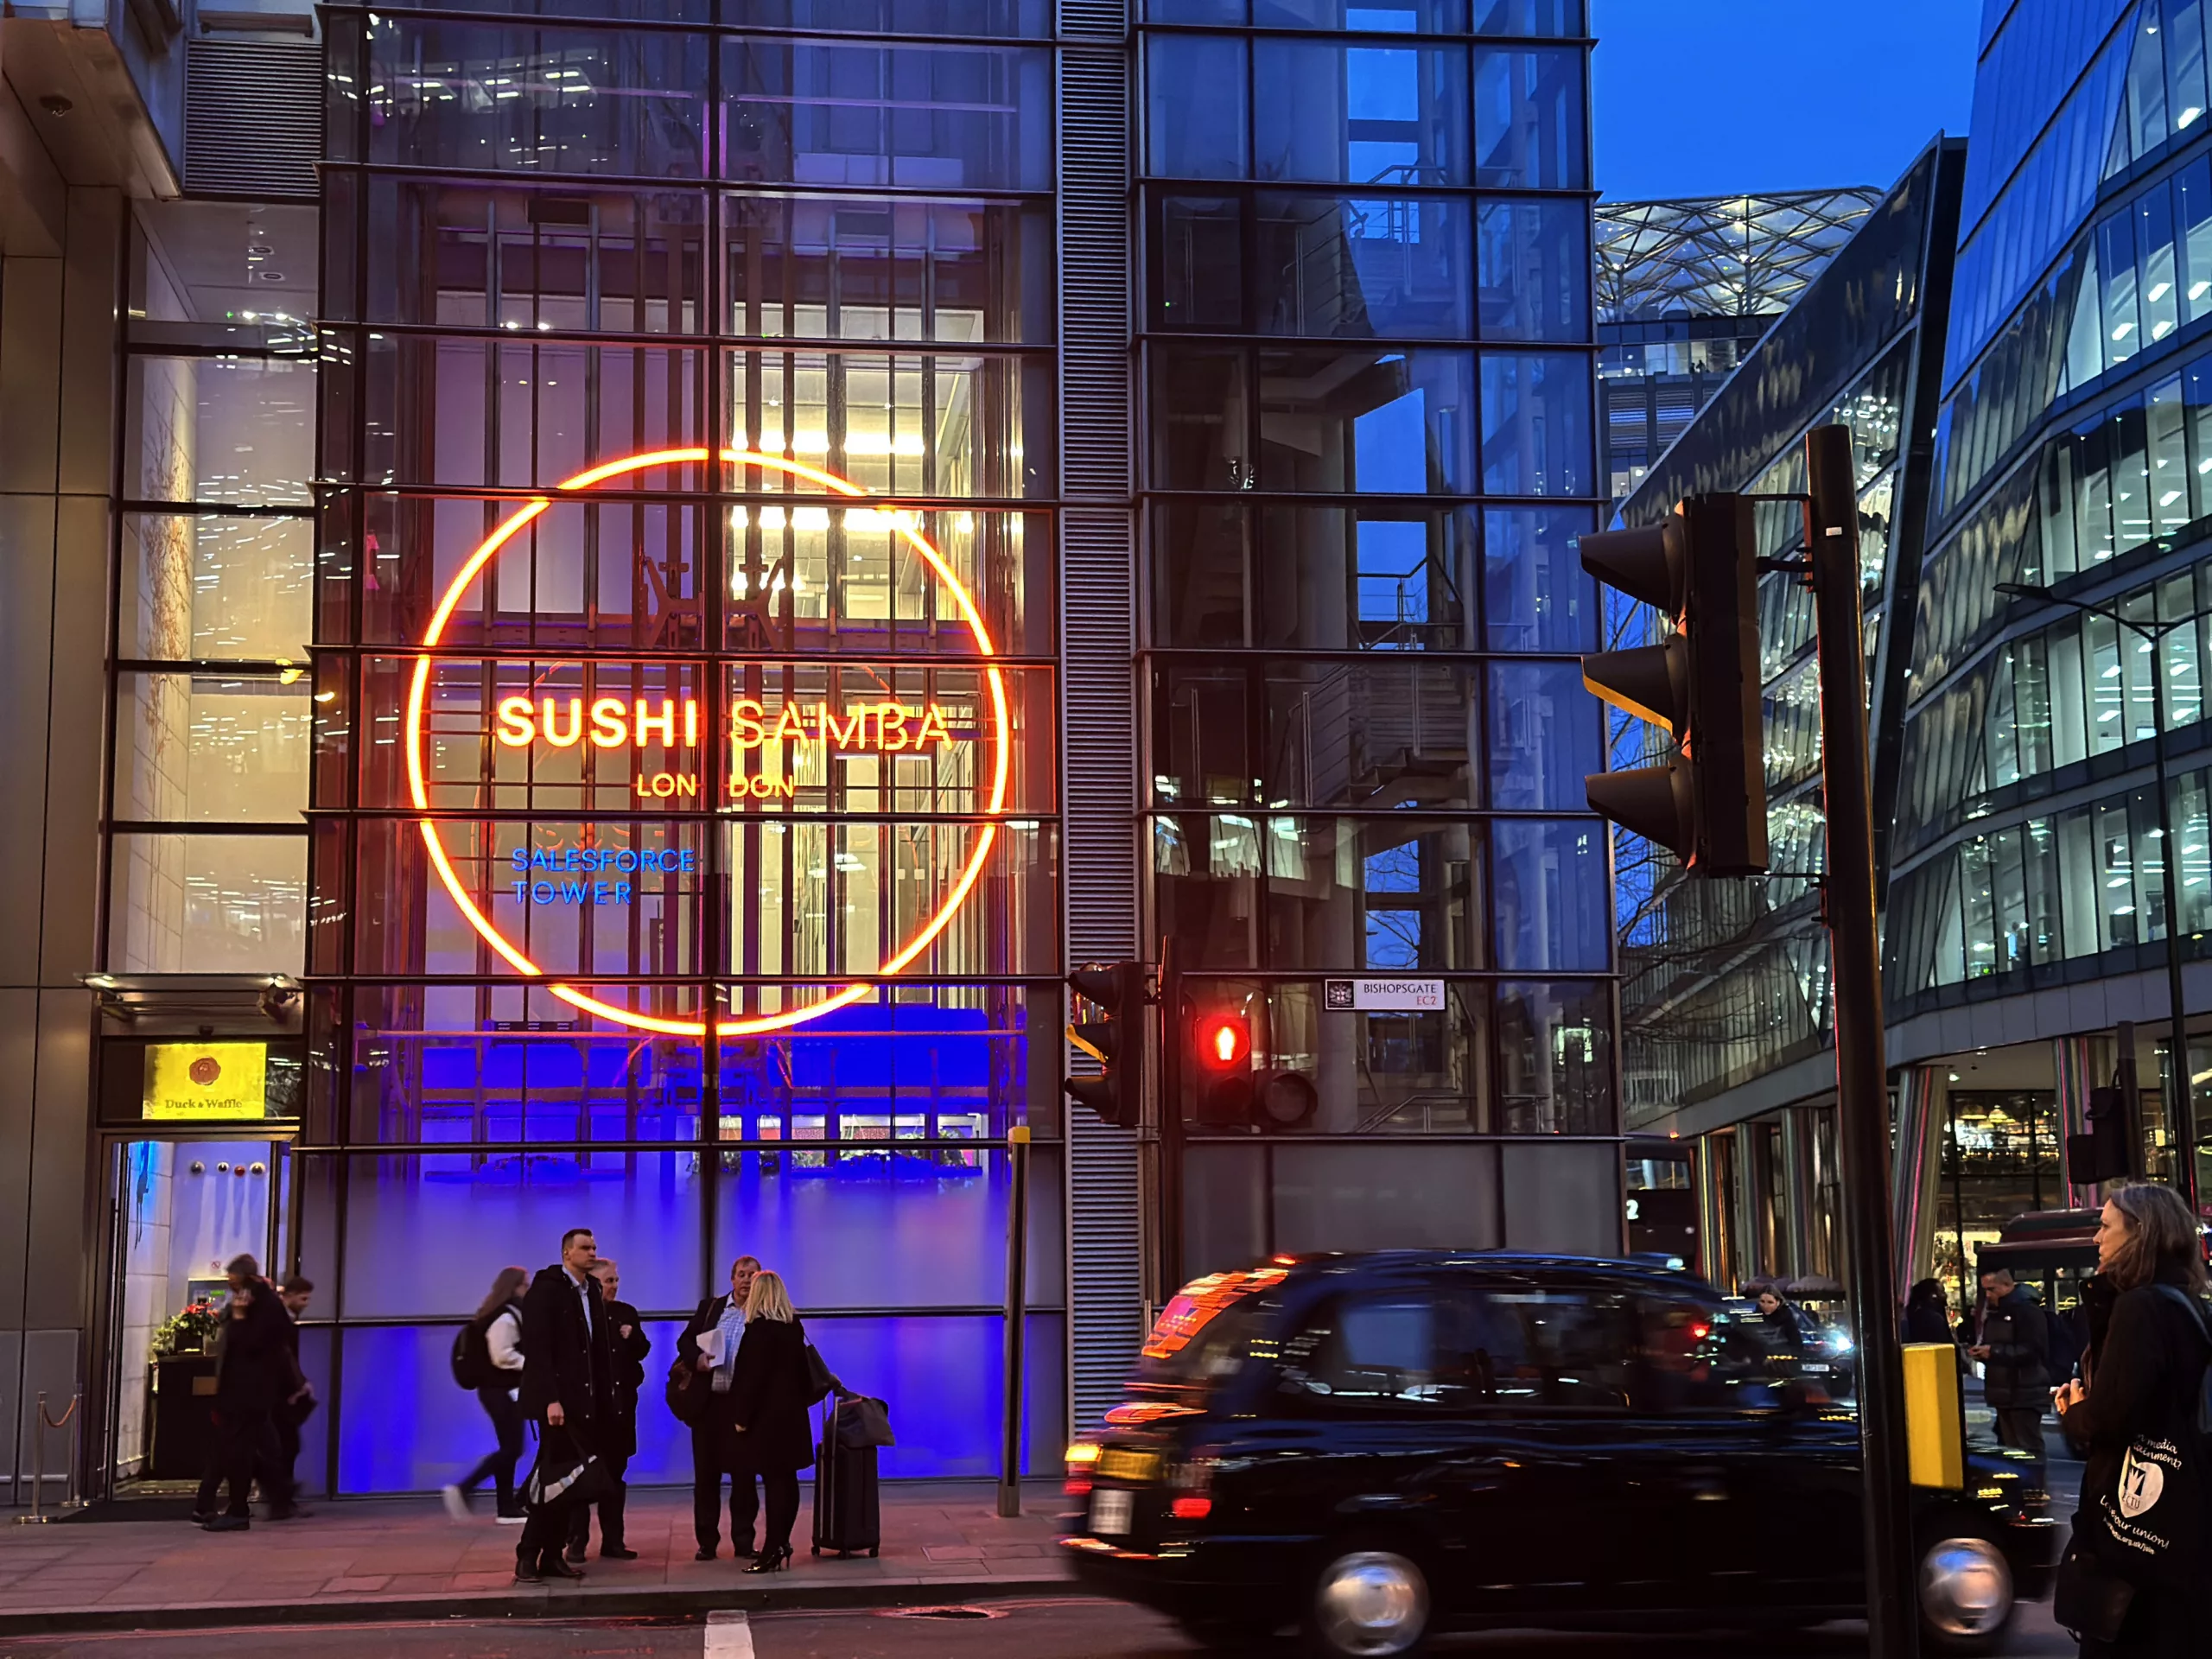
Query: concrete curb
[(548, 1602)]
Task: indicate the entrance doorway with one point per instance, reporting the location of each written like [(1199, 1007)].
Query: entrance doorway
[(183, 1208)]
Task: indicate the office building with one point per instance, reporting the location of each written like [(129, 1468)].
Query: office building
[(589, 600), (1685, 290), (1726, 1001)]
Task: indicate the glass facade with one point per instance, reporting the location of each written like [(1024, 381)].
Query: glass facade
[(523, 659), (1368, 362), (1685, 290), (2030, 850), (1724, 981), (593, 601)]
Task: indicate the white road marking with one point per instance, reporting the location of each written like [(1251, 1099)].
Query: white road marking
[(728, 1636)]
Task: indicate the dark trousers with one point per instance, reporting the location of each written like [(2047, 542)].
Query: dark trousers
[(2020, 1427), (245, 1444), (782, 1509), (547, 1529), (713, 1457), (288, 1447), (499, 1466), (610, 1511)]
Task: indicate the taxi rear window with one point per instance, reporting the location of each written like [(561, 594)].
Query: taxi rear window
[(1209, 1329)]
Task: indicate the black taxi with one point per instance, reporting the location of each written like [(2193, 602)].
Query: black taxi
[(1378, 1447)]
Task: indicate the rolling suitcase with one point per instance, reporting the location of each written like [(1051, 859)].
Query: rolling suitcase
[(847, 1514)]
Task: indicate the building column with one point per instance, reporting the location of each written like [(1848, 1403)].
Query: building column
[(1922, 1093), (1797, 1172), (2073, 1070), (58, 305), (1714, 1256)]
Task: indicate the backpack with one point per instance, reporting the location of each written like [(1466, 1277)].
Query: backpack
[(2065, 1352), (472, 1355)]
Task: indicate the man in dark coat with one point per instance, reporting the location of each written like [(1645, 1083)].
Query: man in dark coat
[(2015, 1352), (713, 1435), (253, 1371), (568, 1389), (619, 1444)]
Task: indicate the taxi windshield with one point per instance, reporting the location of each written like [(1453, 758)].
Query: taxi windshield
[(1207, 1330)]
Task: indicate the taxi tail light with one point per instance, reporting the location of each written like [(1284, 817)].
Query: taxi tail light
[(1190, 1487), (1081, 1458)]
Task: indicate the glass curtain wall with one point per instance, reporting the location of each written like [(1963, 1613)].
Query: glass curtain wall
[(684, 775), (206, 851), (1369, 377)]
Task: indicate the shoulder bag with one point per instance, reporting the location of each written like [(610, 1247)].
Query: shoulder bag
[(2146, 1524)]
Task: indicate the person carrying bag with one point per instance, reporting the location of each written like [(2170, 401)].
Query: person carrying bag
[(2133, 1576)]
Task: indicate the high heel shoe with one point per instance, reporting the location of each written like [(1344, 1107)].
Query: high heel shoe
[(771, 1560)]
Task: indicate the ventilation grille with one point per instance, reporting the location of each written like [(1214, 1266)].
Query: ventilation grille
[(1095, 426), (1095, 20), (1098, 634), (1108, 1321), (252, 119)]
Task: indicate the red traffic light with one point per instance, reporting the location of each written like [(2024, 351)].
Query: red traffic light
[(1225, 1039)]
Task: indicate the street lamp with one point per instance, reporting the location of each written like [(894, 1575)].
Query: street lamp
[(2179, 1116)]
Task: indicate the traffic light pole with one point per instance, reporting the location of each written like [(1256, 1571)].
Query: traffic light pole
[(1861, 1068)]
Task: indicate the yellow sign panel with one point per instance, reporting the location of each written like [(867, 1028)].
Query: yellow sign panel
[(207, 1080)]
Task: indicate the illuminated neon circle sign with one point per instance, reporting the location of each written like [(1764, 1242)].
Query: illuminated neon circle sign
[(890, 729)]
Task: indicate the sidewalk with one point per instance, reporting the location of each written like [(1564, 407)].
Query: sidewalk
[(402, 1558)]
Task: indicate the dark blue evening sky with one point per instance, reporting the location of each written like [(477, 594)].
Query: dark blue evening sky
[(1709, 98)]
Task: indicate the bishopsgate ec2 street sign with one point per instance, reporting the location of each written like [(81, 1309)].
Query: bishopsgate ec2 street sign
[(769, 744)]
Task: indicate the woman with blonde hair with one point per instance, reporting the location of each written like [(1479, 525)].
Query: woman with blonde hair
[(772, 1393)]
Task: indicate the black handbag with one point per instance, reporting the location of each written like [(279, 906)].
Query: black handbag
[(2088, 1598), (585, 1480), (820, 1383), (688, 1388)]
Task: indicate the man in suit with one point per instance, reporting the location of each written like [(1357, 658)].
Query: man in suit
[(619, 1442), (568, 1389), (716, 1324)]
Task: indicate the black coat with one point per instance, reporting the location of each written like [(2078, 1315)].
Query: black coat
[(629, 1375), (563, 1361), (1924, 1322), (772, 1394), (2144, 1380), (719, 1412), (253, 1365), (2017, 1372)]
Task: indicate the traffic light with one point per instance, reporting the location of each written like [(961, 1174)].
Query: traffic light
[(2107, 1153), (1707, 805), (1119, 991), (1231, 1092), (1221, 1043)]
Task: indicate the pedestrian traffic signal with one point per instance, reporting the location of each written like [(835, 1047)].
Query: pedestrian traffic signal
[(1232, 1092), (1118, 991), (1707, 805), (1225, 1041)]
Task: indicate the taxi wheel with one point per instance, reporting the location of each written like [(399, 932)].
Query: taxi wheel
[(1966, 1593), (1368, 1602)]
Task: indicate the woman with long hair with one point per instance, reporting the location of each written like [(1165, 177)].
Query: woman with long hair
[(495, 1332), (1927, 1312), (771, 1394), (2144, 1374)]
